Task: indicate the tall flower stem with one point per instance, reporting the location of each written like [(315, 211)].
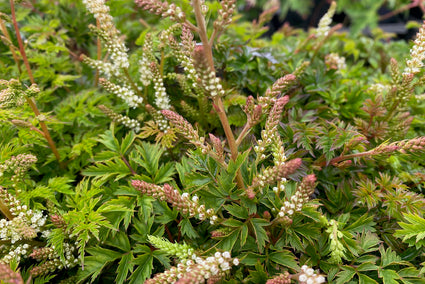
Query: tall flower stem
[(30, 101), (6, 34), (219, 107)]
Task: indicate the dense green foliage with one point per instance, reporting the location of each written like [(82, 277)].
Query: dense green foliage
[(326, 167)]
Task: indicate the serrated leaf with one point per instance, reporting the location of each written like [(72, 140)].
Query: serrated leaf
[(364, 223), (120, 241), (229, 241), (187, 229), (364, 279), (388, 276), (260, 233), (124, 267), (285, 258), (367, 266), (144, 269), (127, 142), (237, 211), (345, 275)]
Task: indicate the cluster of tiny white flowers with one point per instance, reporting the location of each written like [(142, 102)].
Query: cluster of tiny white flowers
[(175, 13), (12, 229), (70, 259), (210, 266), (379, 88), (325, 22), (202, 212), (115, 45), (212, 84), (162, 100), (105, 68), (126, 93), (145, 72), (118, 51), (288, 209), (417, 54), (280, 186), (101, 12), (129, 122), (160, 121), (15, 252), (189, 68), (308, 276), (268, 137), (334, 61)]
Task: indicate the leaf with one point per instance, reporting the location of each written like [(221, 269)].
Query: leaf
[(127, 142), (237, 211), (413, 230), (345, 275), (144, 269), (364, 279), (364, 223), (258, 276), (367, 266), (389, 257), (187, 229), (229, 241), (125, 266), (388, 276), (120, 241), (250, 258), (260, 233), (94, 264), (104, 171), (164, 174), (149, 157), (285, 258), (108, 139)]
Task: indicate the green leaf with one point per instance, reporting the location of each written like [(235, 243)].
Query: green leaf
[(388, 276), (187, 229), (258, 276), (237, 211), (93, 265), (345, 275), (164, 174), (364, 223), (144, 269), (232, 223), (149, 157), (389, 257), (260, 233), (244, 234), (285, 258), (367, 266), (229, 241), (127, 142), (251, 258), (120, 241), (125, 266), (104, 171), (108, 139), (413, 231), (364, 279)]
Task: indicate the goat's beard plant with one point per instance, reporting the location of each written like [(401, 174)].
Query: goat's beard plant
[(293, 206)]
